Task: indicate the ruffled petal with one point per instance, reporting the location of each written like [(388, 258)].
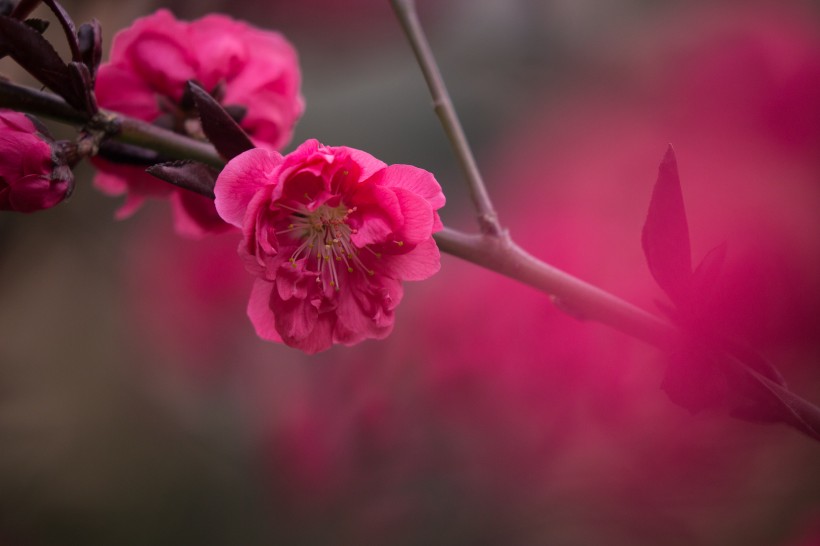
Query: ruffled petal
[(415, 180), (260, 312), (421, 263), (240, 180)]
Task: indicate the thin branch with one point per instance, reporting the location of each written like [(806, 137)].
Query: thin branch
[(570, 294), (443, 105), (115, 126), (495, 252)]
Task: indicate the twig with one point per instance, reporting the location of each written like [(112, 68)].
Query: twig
[(576, 297), (113, 125), (495, 252), (443, 105)]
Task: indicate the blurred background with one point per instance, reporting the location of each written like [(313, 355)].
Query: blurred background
[(137, 406)]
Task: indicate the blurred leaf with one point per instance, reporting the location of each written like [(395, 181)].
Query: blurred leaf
[(706, 274), (83, 85), (225, 134), (665, 236), (189, 175), (24, 8), (37, 56), (90, 40), (692, 380), (68, 28), (769, 402), (128, 154), (40, 25)]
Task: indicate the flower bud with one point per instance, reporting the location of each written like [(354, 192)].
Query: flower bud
[(33, 176)]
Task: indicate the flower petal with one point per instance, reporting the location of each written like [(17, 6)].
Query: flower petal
[(260, 312), (240, 180), (421, 263)]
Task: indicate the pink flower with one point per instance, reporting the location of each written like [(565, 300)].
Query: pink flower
[(330, 233), (151, 63), (31, 176)]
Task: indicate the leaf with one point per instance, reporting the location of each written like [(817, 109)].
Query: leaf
[(83, 85), (37, 56), (24, 8), (769, 402), (68, 27), (128, 154), (40, 25), (665, 236), (90, 41), (225, 134), (693, 381), (189, 175), (707, 272)]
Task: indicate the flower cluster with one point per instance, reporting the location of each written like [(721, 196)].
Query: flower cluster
[(329, 233), (252, 72), (32, 176)]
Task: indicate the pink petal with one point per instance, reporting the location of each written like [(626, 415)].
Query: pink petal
[(260, 312), (421, 263), (368, 164), (415, 180), (195, 215), (240, 180), (417, 215)]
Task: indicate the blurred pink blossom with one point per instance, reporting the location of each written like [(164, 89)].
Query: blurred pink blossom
[(32, 177), (146, 76), (330, 233)]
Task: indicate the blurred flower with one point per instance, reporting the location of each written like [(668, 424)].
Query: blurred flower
[(253, 73), (32, 175), (330, 233)]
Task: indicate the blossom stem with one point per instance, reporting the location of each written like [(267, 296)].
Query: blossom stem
[(443, 105), (570, 294), (112, 125), (492, 250)]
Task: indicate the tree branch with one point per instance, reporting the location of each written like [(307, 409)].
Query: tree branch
[(443, 105)]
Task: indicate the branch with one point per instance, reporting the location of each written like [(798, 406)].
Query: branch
[(570, 294), (495, 252), (443, 105), (115, 126)]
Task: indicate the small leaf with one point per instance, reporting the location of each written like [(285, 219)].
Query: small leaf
[(68, 28), (37, 56), (665, 236), (24, 8), (693, 381), (188, 175), (83, 85), (769, 402), (90, 39), (128, 154), (707, 272), (225, 134), (40, 25)]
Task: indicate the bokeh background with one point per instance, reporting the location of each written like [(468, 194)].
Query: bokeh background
[(137, 407)]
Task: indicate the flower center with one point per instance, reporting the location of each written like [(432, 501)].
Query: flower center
[(324, 241)]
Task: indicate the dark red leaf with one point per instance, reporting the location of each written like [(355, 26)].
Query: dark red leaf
[(83, 85), (771, 403), (692, 380), (225, 134), (665, 235), (40, 25), (24, 8), (37, 56), (190, 175), (90, 40), (68, 28)]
